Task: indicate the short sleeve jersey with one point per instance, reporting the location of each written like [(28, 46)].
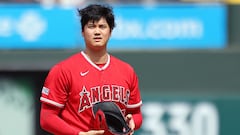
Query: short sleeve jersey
[(76, 83)]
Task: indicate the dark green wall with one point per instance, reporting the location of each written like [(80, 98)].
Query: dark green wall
[(208, 71)]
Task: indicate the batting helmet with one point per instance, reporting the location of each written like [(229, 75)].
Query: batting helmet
[(108, 117)]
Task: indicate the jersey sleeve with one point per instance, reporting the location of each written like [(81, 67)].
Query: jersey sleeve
[(54, 91), (48, 119), (135, 100)]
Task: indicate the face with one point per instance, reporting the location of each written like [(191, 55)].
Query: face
[(96, 34)]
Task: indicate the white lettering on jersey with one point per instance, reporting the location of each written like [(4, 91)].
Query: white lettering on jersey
[(84, 100), (103, 93)]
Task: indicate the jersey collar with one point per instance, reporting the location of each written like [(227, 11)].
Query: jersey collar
[(94, 65)]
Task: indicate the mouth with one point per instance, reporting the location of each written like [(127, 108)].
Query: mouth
[(97, 39)]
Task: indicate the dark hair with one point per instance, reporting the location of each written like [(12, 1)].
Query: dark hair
[(95, 12)]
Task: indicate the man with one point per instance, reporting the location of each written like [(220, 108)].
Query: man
[(75, 84)]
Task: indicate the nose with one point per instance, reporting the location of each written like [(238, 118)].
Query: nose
[(97, 31)]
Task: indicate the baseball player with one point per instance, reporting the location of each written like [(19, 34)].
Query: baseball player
[(91, 76)]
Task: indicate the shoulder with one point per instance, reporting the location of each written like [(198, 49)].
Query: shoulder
[(120, 62), (122, 65), (68, 62), (71, 59)]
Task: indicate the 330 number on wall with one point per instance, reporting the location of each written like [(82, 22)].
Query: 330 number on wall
[(180, 118)]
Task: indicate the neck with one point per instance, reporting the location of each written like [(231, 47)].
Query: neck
[(97, 57)]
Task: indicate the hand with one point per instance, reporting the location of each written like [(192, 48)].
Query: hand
[(131, 124), (92, 132)]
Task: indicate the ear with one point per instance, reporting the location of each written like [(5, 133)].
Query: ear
[(82, 33)]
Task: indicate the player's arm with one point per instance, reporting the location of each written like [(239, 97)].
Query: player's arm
[(51, 122), (135, 102), (134, 115)]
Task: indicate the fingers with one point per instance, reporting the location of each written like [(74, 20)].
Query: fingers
[(95, 132), (92, 132), (98, 132), (131, 124), (128, 117), (132, 132)]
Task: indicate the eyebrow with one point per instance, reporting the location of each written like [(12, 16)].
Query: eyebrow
[(95, 21)]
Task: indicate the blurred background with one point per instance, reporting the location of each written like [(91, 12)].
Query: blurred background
[(185, 52)]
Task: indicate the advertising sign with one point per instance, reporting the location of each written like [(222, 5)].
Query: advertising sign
[(138, 27), (177, 26), (34, 27)]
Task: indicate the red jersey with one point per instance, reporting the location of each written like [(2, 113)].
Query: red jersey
[(75, 84)]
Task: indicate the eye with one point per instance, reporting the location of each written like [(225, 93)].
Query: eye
[(103, 26), (91, 26)]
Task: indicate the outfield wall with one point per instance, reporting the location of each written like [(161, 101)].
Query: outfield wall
[(192, 88)]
